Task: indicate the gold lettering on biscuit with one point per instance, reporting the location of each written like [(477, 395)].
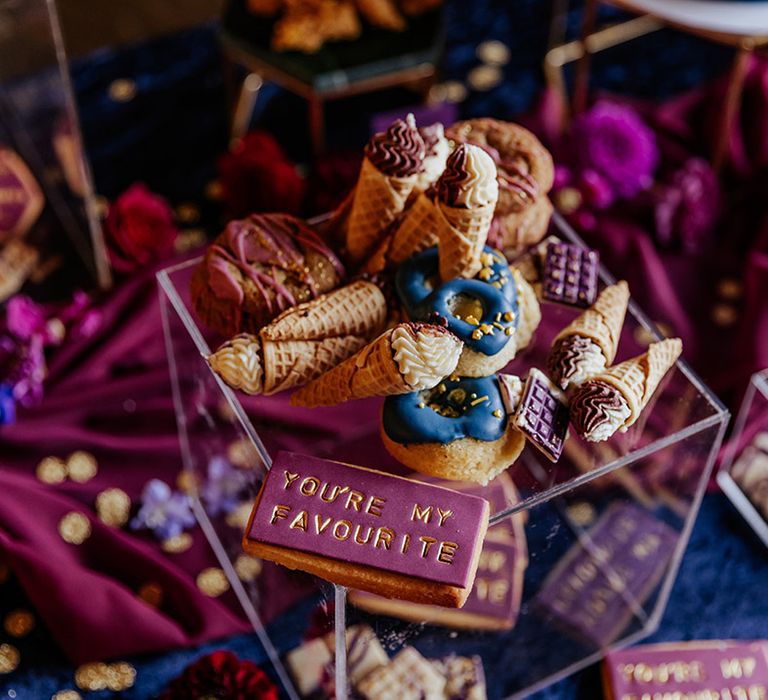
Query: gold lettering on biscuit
[(444, 515), (309, 486), (447, 551), (279, 512), (406, 543), (300, 521), (375, 505), (738, 668), (347, 527), (367, 536), (290, 477), (335, 493), (426, 543), (421, 513), (320, 524), (384, 537), (355, 500)]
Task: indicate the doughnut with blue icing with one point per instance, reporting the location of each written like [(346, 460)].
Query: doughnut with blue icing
[(493, 314), (460, 429)]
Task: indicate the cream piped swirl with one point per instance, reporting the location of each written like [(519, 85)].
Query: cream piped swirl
[(469, 179), (424, 354), (399, 151)]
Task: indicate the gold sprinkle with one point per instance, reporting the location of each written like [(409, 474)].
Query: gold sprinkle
[(178, 544), (187, 213), (243, 454), (472, 320), (67, 695), (498, 414), (441, 388), (5, 573), (477, 334), (496, 324), (473, 395), (435, 407), (486, 259), (724, 314), (186, 482), (497, 284), (478, 400), (91, 676), (421, 404), (9, 658), (19, 623), (51, 470), (509, 316), (582, 513), (212, 582), (730, 288), (454, 377), (122, 90), (239, 517), (509, 330), (151, 594), (81, 466), (487, 329), (74, 528), (457, 395), (485, 273), (248, 568), (497, 317), (113, 506)]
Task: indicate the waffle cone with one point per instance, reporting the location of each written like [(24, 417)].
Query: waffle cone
[(379, 260), (416, 232), (357, 309), (292, 363), (238, 363), (377, 202), (636, 379), (461, 236), (603, 321), (375, 371)]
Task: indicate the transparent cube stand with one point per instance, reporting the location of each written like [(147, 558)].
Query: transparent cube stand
[(743, 474), (588, 585)]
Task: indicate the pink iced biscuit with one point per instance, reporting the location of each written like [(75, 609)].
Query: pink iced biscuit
[(369, 530)]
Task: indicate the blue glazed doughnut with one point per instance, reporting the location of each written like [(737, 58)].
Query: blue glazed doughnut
[(490, 300), (457, 408)]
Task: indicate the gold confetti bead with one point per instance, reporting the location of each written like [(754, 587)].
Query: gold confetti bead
[(582, 513), (248, 568), (81, 466), (186, 482), (91, 676), (178, 544), (212, 582), (122, 90), (484, 78), (113, 506), (120, 676), (238, 518), (730, 288), (498, 414), (494, 53), (567, 200), (51, 470), (19, 623), (67, 695), (74, 528), (242, 454), (188, 213), (213, 190), (152, 594), (9, 658), (724, 314)]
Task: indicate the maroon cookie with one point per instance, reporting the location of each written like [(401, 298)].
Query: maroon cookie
[(257, 268)]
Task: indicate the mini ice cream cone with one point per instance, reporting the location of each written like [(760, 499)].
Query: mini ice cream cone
[(636, 379), (238, 363), (603, 321), (462, 234), (408, 357), (357, 309), (378, 201)]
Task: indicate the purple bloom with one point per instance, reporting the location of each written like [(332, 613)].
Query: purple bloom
[(28, 371), (24, 318), (7, 405), (563, 176), (223, 489), (614, 142), (167, 513), (595, 190), (687, 206)]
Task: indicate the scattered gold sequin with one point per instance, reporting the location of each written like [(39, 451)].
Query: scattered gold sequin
[(113, 506), (74, 528), (449, 91), (51, 470), (247, 568), (67, 695), (120, 676), (243, 454), (484, 78), (724, 314), (238, 518), (81, 466), (190, 239), (5, 573), (9, 658), (178, 544), (494, 53), (19, 623), (582, 513), (730, 288), (151, 594), (213, 190), (100, 676), (187, 213), (122, 90), (186, 481), (212, 582)]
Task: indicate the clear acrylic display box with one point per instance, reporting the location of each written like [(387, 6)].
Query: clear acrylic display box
[(743, 475), (604, 528)]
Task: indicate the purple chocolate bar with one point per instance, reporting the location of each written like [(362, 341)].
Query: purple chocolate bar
[(570, 274), (542, 415)]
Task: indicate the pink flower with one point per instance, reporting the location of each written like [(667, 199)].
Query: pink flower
[(139, 229), (24, 318), (595, 190)]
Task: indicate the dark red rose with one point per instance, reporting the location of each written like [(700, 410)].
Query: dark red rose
[(224, 676), (332, 177), (257, 176), (139, 229)]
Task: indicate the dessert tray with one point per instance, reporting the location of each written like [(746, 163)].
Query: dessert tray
[(579, 557)]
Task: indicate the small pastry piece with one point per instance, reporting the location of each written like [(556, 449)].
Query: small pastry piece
[(382, 13), (525, 172), (297, 30), (257, 268), (21, 199), (338, 20), (464, 677), (309, 665), (393, 160), (409, 676), (614, 399), (570, 274), (458, 430), (588, 344), (542, 415), (466, 195), (303, 342), (408, 357)]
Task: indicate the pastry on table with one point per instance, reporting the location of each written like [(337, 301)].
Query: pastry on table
[(304, 341), (259, 267), (408, 357), (526, 174), (408, 676), (613, 399), (588, 344), (382, 13), (460, 429), (393, 159)]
